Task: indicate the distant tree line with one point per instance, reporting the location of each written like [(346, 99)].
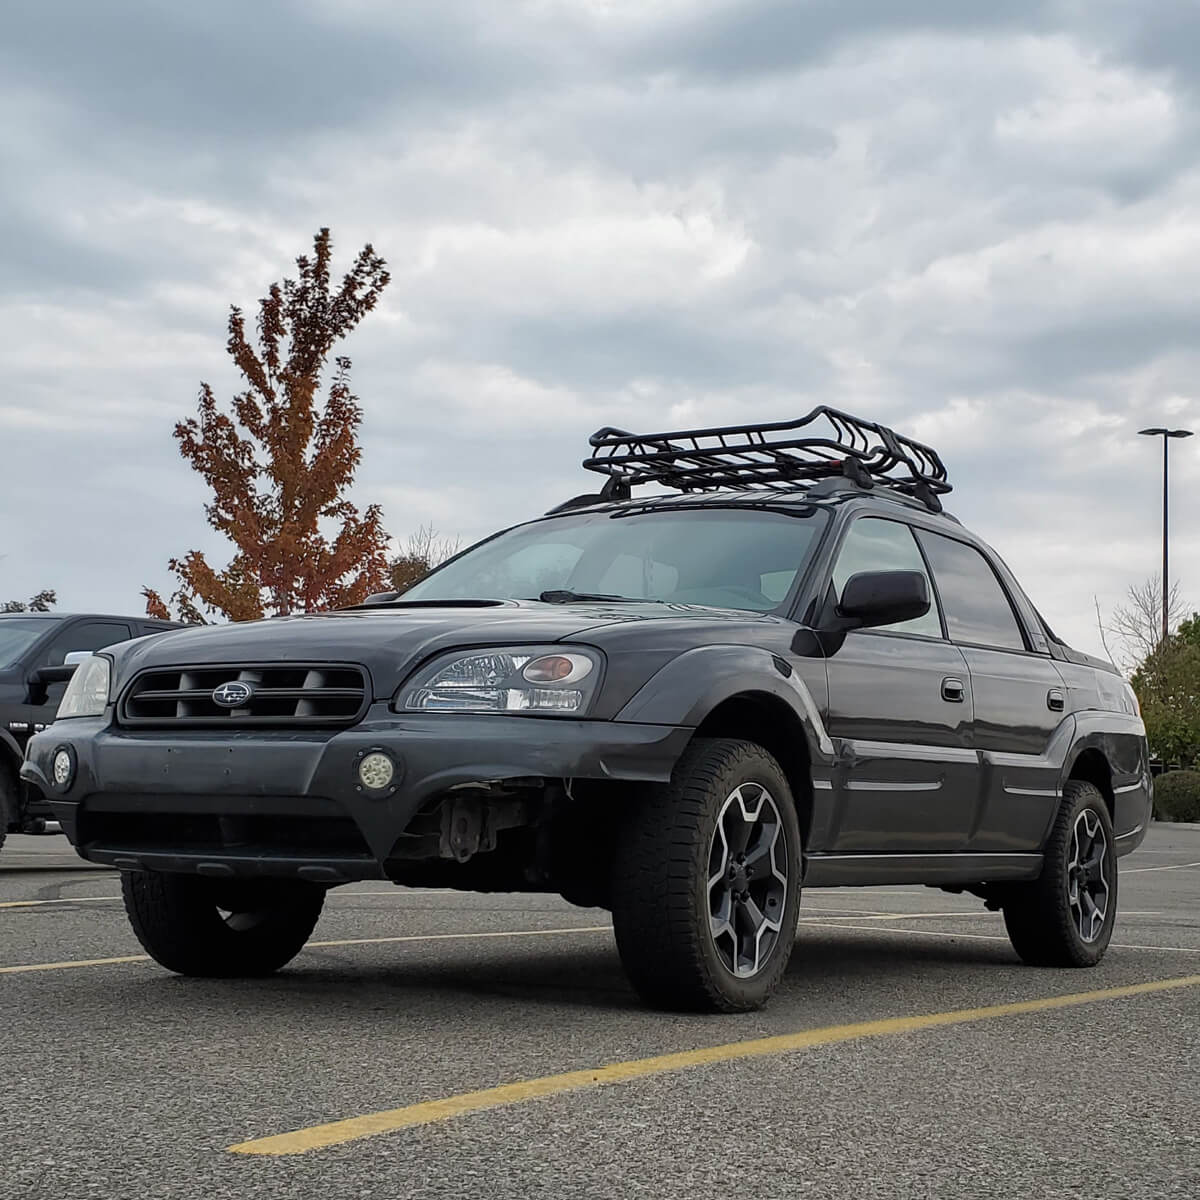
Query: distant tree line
[(41, 602)]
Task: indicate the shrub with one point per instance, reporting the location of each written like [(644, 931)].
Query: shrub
[(1177, 796)]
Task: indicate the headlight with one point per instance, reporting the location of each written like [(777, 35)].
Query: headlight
[(546, 680), (87, 691)]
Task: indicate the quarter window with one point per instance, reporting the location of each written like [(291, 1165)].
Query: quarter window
[(875, 544), (976, 607)]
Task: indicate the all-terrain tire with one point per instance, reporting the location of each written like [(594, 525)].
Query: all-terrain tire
[(1042, 924), (661, 900), (219, 929)]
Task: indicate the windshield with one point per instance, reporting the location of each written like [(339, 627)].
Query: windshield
[(17, 635), (723, 558)]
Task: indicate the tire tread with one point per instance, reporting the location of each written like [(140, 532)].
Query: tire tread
[(661, 941), (1036, 914), (175, 918)]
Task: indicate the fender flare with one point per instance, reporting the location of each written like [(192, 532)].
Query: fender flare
[(689, 687), (1118, 737), (1121, 739)]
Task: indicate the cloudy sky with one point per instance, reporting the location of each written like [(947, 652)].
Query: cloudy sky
[(978, 222)]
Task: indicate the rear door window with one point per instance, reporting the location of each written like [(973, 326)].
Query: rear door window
[(84, 635), (975, 604)]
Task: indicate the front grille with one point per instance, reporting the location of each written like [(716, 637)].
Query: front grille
[(284, 694)]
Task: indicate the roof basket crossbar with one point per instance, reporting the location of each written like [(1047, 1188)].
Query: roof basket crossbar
[(781, 456)]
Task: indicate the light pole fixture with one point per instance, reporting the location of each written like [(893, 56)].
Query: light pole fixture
[(1166, 435)]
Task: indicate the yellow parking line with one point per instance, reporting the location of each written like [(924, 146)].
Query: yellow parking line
[(429, 1112)]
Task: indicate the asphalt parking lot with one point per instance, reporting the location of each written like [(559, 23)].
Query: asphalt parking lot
[(913, 1054)]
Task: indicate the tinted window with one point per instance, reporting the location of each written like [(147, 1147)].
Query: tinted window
[(725, 558), (18, 634), (976, 607), (874, 544), (88, 635)]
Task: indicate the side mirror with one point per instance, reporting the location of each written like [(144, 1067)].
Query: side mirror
[(75, 657), (41, 679), (884, 598)]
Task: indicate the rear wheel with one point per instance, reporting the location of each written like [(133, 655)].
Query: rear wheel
[(706, 885), (220, 929), (1065, 917)]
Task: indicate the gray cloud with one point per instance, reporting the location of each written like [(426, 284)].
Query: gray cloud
[(782, 35), (977, 222), (227, 73)]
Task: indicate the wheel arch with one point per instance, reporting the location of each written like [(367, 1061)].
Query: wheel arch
[(769, 722), (1090, 766), (750, 693)]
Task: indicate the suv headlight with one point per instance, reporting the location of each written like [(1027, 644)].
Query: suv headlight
[(546, 680), (87, 690)]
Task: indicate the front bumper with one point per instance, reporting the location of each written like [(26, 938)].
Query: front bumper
[(278, 803)]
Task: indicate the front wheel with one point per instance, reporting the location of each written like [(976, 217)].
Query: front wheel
[(1065, 917), (218, 928), (706, 883), (10, 796)]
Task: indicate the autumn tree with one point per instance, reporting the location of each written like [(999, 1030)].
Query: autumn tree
[(279, 462), (42, 602), (423, 551)]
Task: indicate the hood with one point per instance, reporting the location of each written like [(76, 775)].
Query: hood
[(390, 639)]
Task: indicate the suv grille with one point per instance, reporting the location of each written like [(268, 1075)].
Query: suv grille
[(284, 694)]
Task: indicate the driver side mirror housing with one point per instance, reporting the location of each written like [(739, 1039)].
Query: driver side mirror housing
[(41, 679), (874, 598)]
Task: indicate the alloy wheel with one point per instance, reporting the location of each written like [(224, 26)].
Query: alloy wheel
[(1087, 885), (747, 879)]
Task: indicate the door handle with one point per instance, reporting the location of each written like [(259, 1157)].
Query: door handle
[(1055, 700), (954, 690)]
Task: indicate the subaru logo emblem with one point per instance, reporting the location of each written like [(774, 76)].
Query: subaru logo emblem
[(234, 694)]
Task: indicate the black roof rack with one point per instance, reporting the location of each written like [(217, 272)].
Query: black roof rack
[(781, 456)]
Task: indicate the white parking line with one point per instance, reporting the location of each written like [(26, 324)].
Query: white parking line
[(109, 899), (865, 912), (938, 916), (985, 937), (26, 968), (1173, 867)]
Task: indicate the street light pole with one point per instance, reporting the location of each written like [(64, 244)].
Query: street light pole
[(1166, 435)]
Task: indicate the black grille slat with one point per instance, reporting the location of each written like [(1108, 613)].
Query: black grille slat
[(283, 694)]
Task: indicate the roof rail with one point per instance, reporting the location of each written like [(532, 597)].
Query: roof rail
[(780, 456)]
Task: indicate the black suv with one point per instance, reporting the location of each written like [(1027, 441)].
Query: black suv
[(791, 668), (37, 656)]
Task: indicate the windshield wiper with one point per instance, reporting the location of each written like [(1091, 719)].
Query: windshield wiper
[(565, 596)]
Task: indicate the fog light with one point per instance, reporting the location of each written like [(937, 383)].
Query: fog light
[(376, 771), (64, 768)]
